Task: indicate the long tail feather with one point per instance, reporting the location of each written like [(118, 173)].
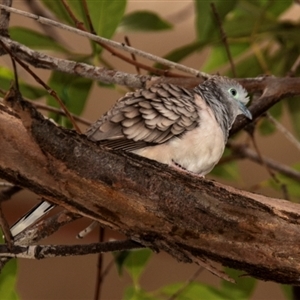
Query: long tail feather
[(31, 217)]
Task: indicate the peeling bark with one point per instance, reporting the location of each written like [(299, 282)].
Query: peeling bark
[(188, 217)]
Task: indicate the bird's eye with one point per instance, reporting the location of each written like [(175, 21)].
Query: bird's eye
[(233, 92)]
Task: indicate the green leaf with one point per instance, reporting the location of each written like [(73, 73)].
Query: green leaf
[(266, 127), (286, 34), (248, 67), (193, 292), (218, 56), (8, 279), (288, 291), (293, 105), (120, 258), (271, 8), (229, 171), (131, 293), (72, 90), (206, 22), (31, 92), (27, 90), (106, 15), (242, 289), (135, 263), (143, 21), (35, 40), (244, 25)]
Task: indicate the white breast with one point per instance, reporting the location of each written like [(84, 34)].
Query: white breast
[(198, 150)]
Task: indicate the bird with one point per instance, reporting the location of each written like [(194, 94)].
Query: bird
[(186, 129)]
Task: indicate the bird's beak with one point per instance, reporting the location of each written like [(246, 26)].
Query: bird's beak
[(245, 110)]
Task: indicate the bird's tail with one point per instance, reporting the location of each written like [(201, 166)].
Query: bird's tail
[(31, 217)]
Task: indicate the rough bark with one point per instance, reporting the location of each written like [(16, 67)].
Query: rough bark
[(184, 215)]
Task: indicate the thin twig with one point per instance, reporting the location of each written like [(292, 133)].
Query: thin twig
[(4, 21), (78, 23), (108, 268), (5, 229), (59, 111), (187, 283), (289, 136), (295, 66), (111, 43), (132, 55), (87, 230), (269, 170), (42, 83), (224, 38), (16, 83), (55, 110), (257, 50), (99, 279), (87, 14), (50, 251)]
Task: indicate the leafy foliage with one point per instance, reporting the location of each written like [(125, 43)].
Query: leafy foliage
[(205, 21), (35, 40), (133, 262), (8, 278), (143, 21), (27, 90), (72, 90)]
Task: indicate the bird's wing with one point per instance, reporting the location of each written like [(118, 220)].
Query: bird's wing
[(146, 117)]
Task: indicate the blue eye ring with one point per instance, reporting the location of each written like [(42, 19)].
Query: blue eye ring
[(233, 92)]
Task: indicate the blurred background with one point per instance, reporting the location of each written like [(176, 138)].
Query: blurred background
[(74, 277)]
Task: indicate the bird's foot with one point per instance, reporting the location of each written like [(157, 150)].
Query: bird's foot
[(180, 168)]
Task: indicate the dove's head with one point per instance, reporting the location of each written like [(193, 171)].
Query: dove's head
[(226, 98), (225, 95), (238, 96)]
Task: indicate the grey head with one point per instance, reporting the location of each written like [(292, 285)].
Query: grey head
[(226, 98)]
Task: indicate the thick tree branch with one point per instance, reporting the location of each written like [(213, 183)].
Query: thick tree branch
[(190, 218)]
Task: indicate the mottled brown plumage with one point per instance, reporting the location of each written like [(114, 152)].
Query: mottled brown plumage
[(146, 117)]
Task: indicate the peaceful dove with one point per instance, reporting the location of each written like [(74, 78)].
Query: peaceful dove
[(185, 129)]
